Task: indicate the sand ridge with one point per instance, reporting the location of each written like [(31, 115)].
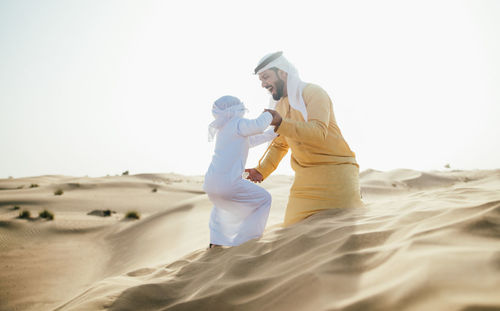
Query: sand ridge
[(423, 241)]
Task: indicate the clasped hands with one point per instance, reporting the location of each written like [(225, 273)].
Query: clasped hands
[(276, 118), (253, 174)]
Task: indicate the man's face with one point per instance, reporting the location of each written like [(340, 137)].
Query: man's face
[(273, 83)]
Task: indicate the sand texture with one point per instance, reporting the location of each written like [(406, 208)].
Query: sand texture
[(424, 241)]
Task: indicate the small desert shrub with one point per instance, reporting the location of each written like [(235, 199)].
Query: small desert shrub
[(58, 192), (125, 173), (154, 190), (20, 187), (132, 215), (101, 213), (46, 214), (33, 185), (25, 214), (16, 207)]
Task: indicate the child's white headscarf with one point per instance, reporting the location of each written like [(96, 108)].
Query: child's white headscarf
[(223, 110)]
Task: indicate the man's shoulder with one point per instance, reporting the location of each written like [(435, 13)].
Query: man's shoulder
[(311, 87), (312, 90)]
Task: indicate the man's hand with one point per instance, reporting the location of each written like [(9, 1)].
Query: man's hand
[(253, 175), (276, 117)]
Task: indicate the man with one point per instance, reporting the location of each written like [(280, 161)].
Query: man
[(326, 171)]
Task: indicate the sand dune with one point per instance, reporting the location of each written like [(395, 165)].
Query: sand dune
[(424, 241)]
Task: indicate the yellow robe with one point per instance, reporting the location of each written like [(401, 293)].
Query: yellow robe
[(326, 171)]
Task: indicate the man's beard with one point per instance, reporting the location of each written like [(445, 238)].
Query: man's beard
[(280, 87)]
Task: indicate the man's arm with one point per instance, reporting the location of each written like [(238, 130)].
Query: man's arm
[(316, 128), (310, 131), (277, 151)]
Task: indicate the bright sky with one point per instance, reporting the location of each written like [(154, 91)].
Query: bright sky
[(99, 87)]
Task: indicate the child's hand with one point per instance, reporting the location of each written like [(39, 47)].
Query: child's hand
[(254, 175)]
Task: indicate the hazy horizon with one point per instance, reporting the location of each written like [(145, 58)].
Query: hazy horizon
[(96, 88)]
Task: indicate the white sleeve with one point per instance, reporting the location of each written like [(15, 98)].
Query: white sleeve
[(248, 127), (258, 139)]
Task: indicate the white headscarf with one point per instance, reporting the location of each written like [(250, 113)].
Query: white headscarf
[(223, 110), (294, 84)]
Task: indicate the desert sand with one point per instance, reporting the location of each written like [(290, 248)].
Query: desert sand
[(423, 241)]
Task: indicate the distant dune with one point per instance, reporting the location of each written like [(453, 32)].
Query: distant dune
[(424, 241)]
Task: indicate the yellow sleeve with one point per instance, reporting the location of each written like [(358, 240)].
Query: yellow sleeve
[(311, 131), (318, 111), (277, 151)]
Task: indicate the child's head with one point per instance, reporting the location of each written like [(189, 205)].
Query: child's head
[(226, 102), (228, 107), (223, 110)]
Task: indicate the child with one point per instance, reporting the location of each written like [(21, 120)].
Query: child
[(240, 208)]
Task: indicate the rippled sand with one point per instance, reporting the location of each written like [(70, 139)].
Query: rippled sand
[(424, 241)]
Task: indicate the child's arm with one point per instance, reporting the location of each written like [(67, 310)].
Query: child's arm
[(258, 139), (248, 127)]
